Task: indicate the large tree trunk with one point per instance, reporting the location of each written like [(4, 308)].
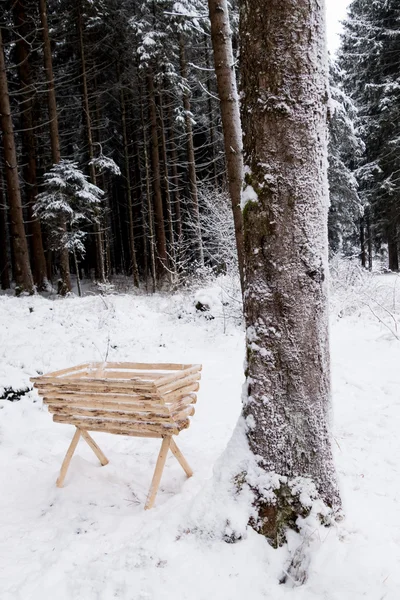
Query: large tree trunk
[(226, 82), (25, 98), (22, 271), (65, 284), (284, 116)]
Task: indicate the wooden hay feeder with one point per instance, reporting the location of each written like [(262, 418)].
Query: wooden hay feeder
[(141, 400)]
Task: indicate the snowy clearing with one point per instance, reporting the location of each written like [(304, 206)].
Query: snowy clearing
[(93, 540)]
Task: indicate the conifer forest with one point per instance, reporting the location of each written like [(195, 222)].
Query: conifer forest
[(199, 299), (120, 100)]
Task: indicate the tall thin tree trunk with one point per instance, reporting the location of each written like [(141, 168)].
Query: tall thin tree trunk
[(4, 262), (158, 204), (78, 279), (175, 179), (22, 274), (86, 109), (362, 243), (284, 115), (28, 139), (166, 188), (190, 154), (150, 215), (210, 114), (226, 82), (369, 237), (393, 247), (65, 277), (135, 271)]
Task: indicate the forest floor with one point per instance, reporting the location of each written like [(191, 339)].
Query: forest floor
[(92, 540)]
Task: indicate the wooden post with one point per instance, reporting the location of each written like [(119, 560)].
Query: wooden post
[(68, 456), (90, 441), (180, 458), (162, 457)]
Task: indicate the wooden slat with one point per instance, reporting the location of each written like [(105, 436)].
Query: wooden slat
[(181, 459), (61, 372), (180, 383), (102, 424), (170, 397), (98, 452), (148, 366), (67, 459), (188, 411), (129, 375), (162, 457), (131, 398), (129, 407), (182, 402), (146, 417), (98, 386), (178, 375)]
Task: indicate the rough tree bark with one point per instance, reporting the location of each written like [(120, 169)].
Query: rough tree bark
[(22, 270), (65, 277), (285, 199), (226, 83)]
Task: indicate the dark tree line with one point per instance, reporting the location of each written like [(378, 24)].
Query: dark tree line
[(369, 59), (127, 92)]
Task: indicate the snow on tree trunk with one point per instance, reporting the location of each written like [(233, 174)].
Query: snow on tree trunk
[(285, 204), (226, 82)]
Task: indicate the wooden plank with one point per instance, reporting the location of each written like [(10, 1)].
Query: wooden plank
[(101, 425), (67, 459), (132, 398), (182, 402), (128, 407), (130, 375), (90, 441), (178, 375), (171, 397), (180, 458), (129, 417), (93, 383), (170, 387), (61, 372), (183, 414), (148, 366), (162, 457), (98, 386)]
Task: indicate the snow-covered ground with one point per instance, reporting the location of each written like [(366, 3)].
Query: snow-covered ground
[(93, 540)]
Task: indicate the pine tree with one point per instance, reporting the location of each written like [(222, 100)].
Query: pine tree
[(68, 203)]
